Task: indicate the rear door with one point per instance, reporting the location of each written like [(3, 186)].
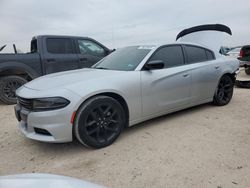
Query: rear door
[(60, 55), (206, 71), (166, 88), (89, 52)]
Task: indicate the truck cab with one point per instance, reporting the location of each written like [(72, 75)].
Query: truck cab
[(48, 54)]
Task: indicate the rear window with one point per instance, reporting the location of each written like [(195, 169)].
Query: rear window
[(59, 46), (210, 55), (195, 54), (33, 47)]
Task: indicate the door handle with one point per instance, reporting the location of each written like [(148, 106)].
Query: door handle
[(217, 67), (185, 75), (83, 59), (51, 60)]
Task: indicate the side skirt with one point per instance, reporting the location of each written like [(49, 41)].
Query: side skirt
[(134, 122)]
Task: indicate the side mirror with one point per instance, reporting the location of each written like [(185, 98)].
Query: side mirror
[(110, 51), (155, 64)]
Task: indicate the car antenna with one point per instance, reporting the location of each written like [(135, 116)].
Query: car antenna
[(14, 46)]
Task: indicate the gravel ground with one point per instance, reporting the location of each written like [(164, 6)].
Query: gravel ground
[(205, 146)]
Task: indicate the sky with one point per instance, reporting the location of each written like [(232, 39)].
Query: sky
[(118, 23)]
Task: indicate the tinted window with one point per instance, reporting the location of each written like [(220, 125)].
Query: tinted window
[(210, 55), (60, 46), (33, 47), (170, 55), (245, 51), (126, 59), (89, 47), (195, 54)]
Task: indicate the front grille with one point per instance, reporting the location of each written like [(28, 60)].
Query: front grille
[(26, 103)]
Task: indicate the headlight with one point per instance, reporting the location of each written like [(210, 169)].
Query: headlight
[(50, 103)]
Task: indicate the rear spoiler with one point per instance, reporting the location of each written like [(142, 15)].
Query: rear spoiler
[(207, 27)]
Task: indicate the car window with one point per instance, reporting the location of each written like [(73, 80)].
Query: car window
[(59, 46), (33, 47), (124, 59), (171, 56), (89, 47), (210, 55), (246, 51), (195, 54)]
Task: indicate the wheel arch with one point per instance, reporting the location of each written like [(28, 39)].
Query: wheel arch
[(231, 75), (115, 96), (15, 68), (221, 102)]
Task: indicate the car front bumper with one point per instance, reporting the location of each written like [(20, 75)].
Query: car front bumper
[(48, 126)]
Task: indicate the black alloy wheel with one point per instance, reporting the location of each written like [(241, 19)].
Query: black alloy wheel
[(8, 87), (224, 91), (99, 121)]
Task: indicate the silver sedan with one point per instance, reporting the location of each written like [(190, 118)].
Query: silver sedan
[(131, 85)]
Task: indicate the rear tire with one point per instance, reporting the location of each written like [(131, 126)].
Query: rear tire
[(8, 87), (99, 122), (224, 91), (247, 71)]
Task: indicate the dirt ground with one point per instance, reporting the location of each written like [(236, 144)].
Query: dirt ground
[(205, 146)]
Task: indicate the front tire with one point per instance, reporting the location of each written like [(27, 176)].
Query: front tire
[(224, 91), (99, 122), (8, 87)]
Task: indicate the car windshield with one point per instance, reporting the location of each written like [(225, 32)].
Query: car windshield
[(124, 59)]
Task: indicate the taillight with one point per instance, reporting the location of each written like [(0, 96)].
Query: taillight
[(241, 53)]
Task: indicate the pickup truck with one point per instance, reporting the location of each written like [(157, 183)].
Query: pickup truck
[(48, 54), (244, 58)]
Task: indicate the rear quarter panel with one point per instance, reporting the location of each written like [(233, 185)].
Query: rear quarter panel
[(228, 65)]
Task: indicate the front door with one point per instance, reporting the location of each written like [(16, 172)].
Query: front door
[(167, 88), (61, 55), (89, 52)]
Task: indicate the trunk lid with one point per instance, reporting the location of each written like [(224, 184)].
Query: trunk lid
[(210, 35)]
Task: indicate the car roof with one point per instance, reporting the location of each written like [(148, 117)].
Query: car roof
[(60, 36), (173, 43)]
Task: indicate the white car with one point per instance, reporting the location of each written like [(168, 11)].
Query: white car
[(131, 85), (37, 180)]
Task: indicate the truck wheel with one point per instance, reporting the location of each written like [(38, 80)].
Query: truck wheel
[(8, 87), (247, 71)]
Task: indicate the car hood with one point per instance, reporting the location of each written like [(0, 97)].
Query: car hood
[(43, 180), (64, 79)]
